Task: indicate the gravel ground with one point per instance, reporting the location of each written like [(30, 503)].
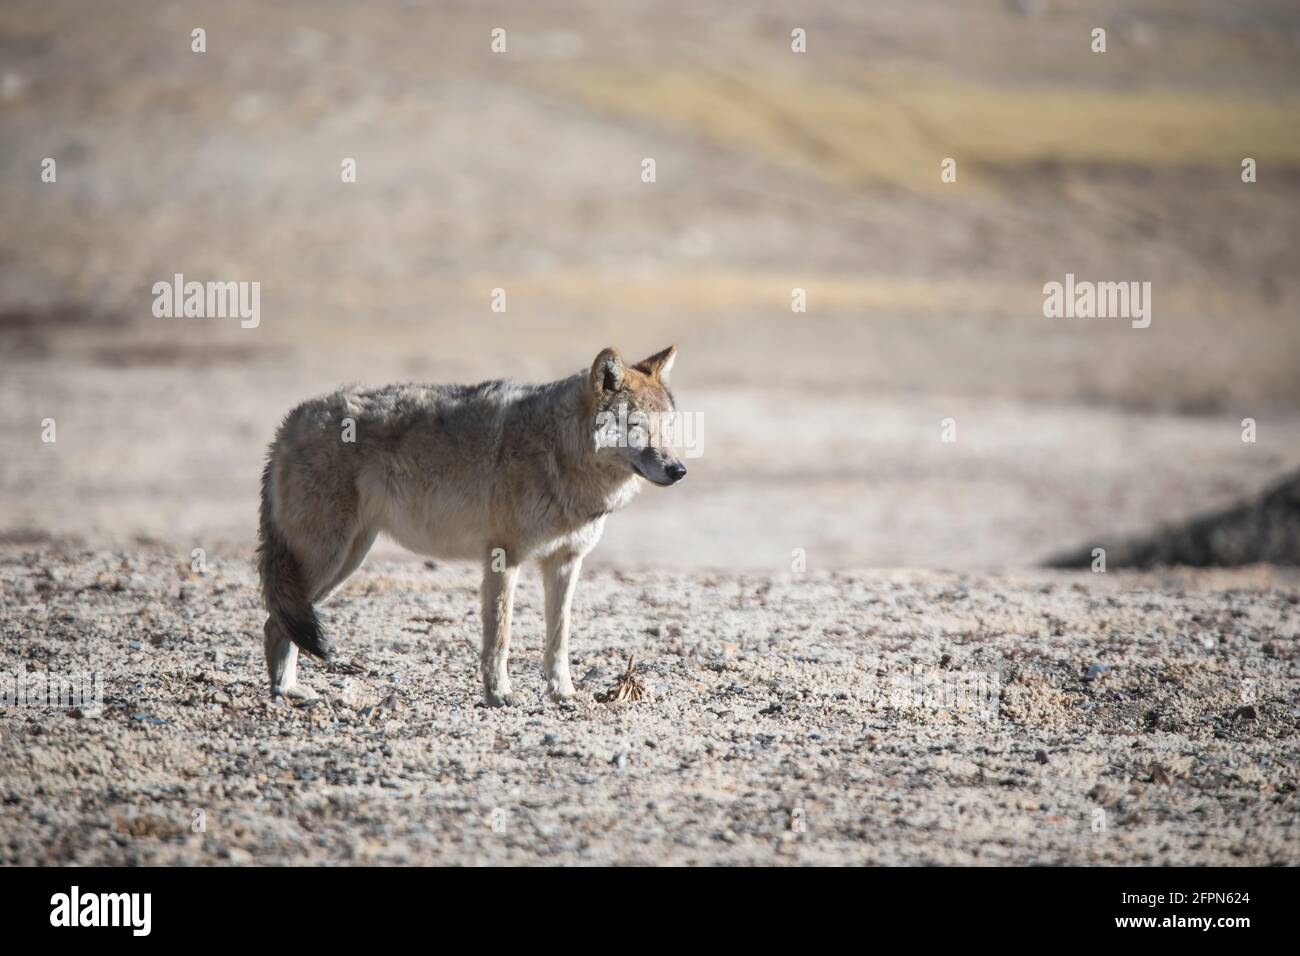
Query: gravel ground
[(893, 717)]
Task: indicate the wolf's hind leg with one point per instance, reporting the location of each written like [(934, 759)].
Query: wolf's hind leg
[(352, 558), (282, 664), (560, 577), (287, 682), (329, 568), (498, 594)]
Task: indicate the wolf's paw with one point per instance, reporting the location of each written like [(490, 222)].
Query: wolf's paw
[(302, 694), (560, 693), (296, 693), (501, 698)]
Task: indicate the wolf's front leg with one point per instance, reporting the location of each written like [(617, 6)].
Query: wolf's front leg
[(498, 594), (560, 573)]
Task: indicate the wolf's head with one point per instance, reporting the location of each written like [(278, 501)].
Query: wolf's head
[(634, 414)]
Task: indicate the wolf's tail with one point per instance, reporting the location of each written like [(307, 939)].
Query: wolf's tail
[(283, 588)]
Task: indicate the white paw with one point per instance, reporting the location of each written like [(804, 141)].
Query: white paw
[(500, 697), (560, 690), (296, 691)]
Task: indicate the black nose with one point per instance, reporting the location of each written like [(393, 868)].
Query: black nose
[(676, 471)]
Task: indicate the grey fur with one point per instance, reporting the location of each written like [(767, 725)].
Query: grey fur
[(498, 472)]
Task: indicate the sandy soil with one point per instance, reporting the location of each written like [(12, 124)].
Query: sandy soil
[(891, 717)]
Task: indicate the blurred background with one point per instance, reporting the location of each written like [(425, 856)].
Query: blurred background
[(774, 171)]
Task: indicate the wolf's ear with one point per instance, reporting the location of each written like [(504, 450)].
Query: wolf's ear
[(607, 371), (659, 365)]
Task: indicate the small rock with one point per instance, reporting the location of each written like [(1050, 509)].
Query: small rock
[(352, 693), (1095, 671), (1102, 796), (1248, 712), (1040, 756)]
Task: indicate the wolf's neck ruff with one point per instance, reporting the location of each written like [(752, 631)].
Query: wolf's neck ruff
[(609, 484)]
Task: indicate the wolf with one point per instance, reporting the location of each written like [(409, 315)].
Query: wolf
[(499, 473)]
